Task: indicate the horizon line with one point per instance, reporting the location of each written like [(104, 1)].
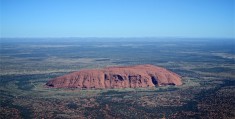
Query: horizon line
[(180, 37)]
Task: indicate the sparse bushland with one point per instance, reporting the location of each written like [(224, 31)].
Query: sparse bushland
[(207, 90)]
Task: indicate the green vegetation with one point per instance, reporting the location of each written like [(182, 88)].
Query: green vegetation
[(207, 74), (216, 70)]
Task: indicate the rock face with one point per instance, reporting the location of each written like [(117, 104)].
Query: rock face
[(117, 77)]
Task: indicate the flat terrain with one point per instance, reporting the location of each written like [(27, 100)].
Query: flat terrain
[(207, 67)]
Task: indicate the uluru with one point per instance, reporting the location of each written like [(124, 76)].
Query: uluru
[(117, 77)]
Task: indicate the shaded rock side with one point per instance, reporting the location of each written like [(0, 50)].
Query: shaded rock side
[(117, 77)]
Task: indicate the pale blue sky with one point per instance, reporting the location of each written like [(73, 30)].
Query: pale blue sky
[(117, 18)]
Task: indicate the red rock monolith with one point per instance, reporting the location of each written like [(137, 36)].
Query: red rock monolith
[(117, 77)]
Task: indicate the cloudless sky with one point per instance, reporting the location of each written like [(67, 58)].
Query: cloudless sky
[(117, 18)]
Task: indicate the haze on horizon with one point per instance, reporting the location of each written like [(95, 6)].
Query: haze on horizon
[(117, 18)]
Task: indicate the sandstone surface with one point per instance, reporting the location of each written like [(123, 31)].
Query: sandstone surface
[(117, 77)]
